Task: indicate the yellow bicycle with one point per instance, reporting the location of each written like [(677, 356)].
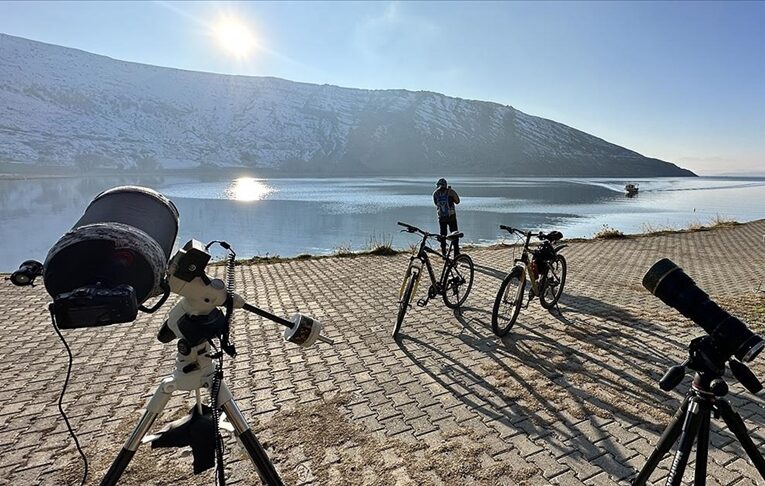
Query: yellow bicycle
[(545, 270)]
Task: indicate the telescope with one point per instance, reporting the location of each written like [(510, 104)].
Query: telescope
[(103, 271), (727, 340)]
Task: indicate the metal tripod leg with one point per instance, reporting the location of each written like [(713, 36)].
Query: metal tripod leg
[(702, 446), (736, 424), (690, 429), (670, 435), (153, 409), (264, 466)]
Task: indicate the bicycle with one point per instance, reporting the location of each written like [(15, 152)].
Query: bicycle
[(545, 270), (456, 273)]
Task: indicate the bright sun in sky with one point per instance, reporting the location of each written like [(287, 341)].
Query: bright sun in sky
[(234, 36)]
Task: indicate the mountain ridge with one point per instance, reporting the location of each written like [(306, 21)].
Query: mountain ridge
[(65, 107)]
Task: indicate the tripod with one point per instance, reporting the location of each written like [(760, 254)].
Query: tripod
[(692, 419), (194, 369), (195, 320)]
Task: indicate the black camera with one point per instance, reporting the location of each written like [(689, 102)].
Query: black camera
[(95, 306), (729, 335)]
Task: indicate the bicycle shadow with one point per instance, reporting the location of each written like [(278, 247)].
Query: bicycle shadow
[(491, 272), (542, 361), (455, 377)]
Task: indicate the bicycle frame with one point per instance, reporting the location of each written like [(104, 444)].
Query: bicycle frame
[(525, 262), (422, 256), (536, 286)]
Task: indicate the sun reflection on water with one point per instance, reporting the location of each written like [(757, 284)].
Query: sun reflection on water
[(248, 189)]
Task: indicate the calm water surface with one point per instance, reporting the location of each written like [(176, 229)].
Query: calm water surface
[(289, 217)]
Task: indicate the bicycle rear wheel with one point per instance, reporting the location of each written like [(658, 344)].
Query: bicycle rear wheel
[(508, 303), (552, 288), (403, 304), (458, 281)]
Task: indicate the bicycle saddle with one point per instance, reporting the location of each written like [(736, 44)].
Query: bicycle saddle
[(455, 235), (552, 236)]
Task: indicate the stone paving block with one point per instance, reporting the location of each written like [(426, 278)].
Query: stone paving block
[(566, 398)]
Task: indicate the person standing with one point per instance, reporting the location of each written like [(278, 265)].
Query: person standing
[(444, 197)]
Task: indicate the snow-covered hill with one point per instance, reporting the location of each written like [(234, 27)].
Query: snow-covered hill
[(65, 107)]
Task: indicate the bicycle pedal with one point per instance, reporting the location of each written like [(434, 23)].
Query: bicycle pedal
[(422, 302)]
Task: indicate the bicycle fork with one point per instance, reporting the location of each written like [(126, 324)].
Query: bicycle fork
[(414, 271), (534, 291)]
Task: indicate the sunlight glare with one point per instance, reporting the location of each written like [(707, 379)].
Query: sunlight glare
[(248, 189), (234, 36)]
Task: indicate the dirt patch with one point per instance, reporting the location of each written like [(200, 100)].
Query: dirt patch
[(319, 442)]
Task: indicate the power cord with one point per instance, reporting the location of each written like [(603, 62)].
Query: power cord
[(63, 391)]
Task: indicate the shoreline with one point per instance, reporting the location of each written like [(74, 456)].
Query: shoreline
[(386, 250)]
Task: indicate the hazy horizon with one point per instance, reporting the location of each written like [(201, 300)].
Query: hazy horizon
[(679, 82)]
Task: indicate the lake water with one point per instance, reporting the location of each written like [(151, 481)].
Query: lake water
[(289, 217)]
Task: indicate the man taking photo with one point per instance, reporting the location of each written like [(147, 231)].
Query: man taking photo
[(445, 198)]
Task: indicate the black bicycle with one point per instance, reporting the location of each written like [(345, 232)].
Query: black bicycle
[(545, 269), (456, 276)]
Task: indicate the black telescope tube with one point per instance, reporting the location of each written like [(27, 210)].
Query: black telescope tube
[(675, 288)]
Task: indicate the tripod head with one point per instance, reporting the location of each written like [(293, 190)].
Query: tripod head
[(709, 369), (197, 317)]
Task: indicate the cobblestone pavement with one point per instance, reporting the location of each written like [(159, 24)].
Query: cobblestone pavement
[(565, 399)]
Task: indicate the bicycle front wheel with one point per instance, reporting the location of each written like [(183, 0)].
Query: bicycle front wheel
[(554, 282), (458, 281), (508, 303), (403, 304)]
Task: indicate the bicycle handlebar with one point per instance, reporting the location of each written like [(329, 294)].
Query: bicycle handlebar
[(415, 229), (509, 229), (409, 227)]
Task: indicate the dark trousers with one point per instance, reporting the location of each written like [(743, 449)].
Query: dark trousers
[(452, 224)]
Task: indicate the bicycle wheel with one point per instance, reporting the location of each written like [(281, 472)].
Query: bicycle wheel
[(554, 281), (508, 303), (458, 281), (403, 304)]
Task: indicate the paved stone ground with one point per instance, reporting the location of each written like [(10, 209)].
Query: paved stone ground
[(565, 399)]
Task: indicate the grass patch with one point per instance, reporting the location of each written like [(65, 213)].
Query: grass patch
[(380, 245), (651, 229), (723, 222), (261, 259), (383, 250), (344, 251), (608, 233), (715, 223)]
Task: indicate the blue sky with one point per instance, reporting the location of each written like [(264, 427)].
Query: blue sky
[(681, 81)]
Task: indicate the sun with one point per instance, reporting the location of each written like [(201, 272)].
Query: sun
[(234, 36)]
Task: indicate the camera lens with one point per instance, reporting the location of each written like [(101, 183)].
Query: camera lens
[(675, 288)]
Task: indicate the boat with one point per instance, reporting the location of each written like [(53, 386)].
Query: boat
[(631, 189)]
